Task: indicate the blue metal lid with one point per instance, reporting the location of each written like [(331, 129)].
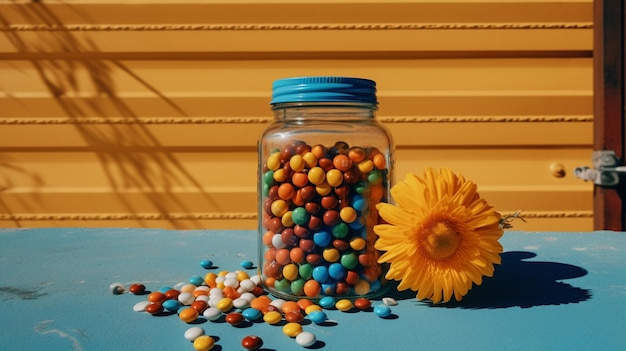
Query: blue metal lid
[(324, 89)]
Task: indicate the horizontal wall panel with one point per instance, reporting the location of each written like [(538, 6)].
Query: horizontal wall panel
[(250, 78), (26, 108), (250, 12), (498, 168), (217, 135), (356, 40)]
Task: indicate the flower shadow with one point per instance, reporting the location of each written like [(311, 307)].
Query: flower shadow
[(524, 284)]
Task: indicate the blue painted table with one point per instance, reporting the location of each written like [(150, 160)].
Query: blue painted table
[(553, 291)]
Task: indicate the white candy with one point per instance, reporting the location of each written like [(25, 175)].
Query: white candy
[(389, 301), (141, 306), (306, 339), (204, 298), (186, 298), (248, 296), (212, 313), (203, 288), (256, 279), (240, 303), (217, 292), (232, 282), (117, 288), (194, 332), (231, 275), (214, 300), (278, 303), (247, 285), (277, 241)]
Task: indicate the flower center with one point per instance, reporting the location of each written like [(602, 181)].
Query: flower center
[(440, 240)]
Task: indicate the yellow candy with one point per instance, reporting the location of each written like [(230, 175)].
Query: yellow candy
[(348, 214), (331, 254), (362, 287), (273, 162), (209, 279), (296, 162), (316, 175), (366, 166), (280, 175), (290, 272), (241, 276), (334, 177), (292, 329), (344, 305), (323, 189), (203, 343), (357, 243), (279, 208), (286, 219), (310, 159), (272, 317), (225, 304)]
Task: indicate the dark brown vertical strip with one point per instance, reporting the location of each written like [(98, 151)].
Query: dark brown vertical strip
[(609, 96)]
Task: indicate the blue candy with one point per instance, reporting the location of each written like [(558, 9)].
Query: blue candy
[(206, 264), (382, 311), (252, 314), (327, 302), (196, 280), (322, 239), (246, 264), (320, 274), (171, 305), (336, 271), (317, 317)]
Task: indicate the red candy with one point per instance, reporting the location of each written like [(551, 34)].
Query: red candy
[(251, 342), (154, 308), (235, 318), (137, 289)]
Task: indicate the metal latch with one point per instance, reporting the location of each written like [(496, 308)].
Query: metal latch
[(606, 169)]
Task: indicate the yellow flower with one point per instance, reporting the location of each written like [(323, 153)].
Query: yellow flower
[(441, 238)]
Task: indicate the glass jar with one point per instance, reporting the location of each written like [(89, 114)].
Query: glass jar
[(324, 164)]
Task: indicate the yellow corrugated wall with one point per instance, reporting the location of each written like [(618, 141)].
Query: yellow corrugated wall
[(146, 113)]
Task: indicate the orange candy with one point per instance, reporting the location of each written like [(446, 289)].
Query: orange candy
[(157, 297), (230, 292), (312, 288), (304, 303), (188, 315), (290, 306), (260, 303)]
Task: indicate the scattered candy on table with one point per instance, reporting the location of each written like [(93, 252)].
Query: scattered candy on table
[(236, 297), (251, 342)]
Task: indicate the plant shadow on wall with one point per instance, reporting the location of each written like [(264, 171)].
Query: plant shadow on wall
[(524, 284), (132, 158)]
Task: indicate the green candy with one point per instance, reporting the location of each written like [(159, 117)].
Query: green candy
[(300, 216)]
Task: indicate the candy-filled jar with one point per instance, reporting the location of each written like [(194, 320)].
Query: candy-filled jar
[(324, 164)]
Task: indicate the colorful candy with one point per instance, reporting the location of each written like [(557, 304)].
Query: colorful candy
[(137, 289), (188, 315), (193, 333), (292, 329), (319, 212), (213, 302), (306, 339), (382, 311), (203, 343), (251, 342)]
